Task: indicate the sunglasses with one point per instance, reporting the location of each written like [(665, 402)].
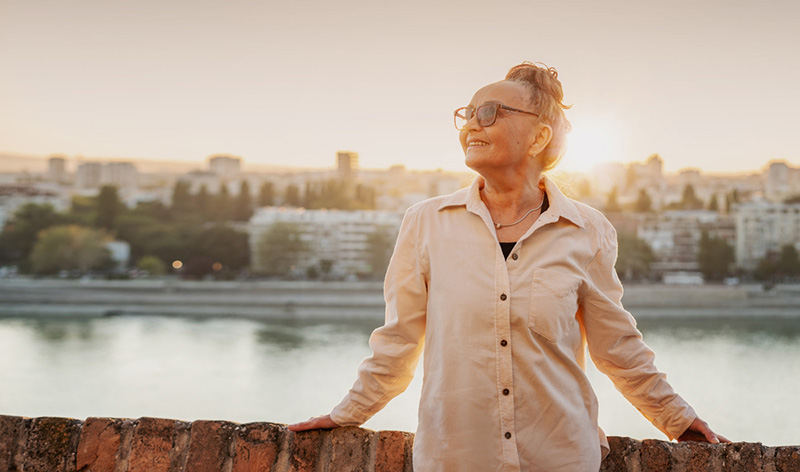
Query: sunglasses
[(486, 114)]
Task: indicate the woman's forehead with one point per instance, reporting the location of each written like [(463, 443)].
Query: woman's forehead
[(506, 92)]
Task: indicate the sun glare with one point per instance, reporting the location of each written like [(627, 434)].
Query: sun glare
[(592, 141)]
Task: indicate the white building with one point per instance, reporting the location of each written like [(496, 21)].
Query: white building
[(88, 175), (122, 175), (331, 235), (762, 228)]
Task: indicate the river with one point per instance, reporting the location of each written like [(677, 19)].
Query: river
[(741, 375)]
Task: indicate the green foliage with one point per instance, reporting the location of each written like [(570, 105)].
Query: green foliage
[(715, 257), (643, 203), (380, 244), (70, 247), (292, 197), (713, 205), (634, 257), (202, 203), (266, 195), (281, 249), (783, 265), (182, 201), (221, 205), (153, 265), (689, 200), (109, 207), (83, 211), (243, 206), (611, 204), (20, 233)]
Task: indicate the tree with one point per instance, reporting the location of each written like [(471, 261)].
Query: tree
[(715, 257), (182, 201), (281, 249), (266, 195), (70, 247), (152, 265), (221, 205), (292, 197), (788, 261), (223, 245), (611, 203), (202, 202), (243, 206), (689, 200), (643, 203), (109, 208), (380, 245), (713, 205), (19, 234), (634, 257)]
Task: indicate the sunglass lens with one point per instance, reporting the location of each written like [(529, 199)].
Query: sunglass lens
[(487, 115)]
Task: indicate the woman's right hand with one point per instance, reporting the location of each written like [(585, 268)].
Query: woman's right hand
[(318, 422)]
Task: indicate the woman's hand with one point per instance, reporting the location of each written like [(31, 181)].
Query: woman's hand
[(318, 422), (700, 431)]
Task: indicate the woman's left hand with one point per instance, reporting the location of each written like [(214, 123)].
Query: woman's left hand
[(700, 431)]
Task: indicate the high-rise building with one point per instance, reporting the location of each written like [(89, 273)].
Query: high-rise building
[(762, 228), (225, 166), (347, 165), (56, 169)]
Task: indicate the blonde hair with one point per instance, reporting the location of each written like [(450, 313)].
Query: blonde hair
[(547, 99)]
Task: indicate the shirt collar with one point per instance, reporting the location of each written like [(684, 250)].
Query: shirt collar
[(560, 205)]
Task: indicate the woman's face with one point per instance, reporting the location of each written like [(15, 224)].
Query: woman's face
[(506, 143)]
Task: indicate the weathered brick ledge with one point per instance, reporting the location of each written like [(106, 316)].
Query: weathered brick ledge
[(164, 445)]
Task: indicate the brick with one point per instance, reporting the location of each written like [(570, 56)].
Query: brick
[(409, 453), (624, 455), (703, 457), (151, 445), (51, 445), (351, 449), (11, 432), (744, 457), (391, 452), (209, 446), (99, 443), (257, 447), (656, 456), (787, 458), (306, 450)]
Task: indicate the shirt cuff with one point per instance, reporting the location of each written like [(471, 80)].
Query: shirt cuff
[(347, 416), (677, 417)]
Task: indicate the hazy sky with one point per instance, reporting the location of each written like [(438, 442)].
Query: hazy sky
[(708, 84)]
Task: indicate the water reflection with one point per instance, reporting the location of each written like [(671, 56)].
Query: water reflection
[(245, 370)]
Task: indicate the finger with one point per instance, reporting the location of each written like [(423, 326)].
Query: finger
[(723, 439)]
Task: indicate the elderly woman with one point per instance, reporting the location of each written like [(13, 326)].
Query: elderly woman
[(506, 283)]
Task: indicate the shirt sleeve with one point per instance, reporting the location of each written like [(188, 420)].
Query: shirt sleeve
[(617, 348), (397, 345)]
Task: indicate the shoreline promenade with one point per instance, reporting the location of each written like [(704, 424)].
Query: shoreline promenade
[(335, 301)]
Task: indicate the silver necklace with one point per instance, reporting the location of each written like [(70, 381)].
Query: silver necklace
[(500, 225)]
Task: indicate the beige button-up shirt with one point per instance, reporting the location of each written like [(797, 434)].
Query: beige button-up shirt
[(505, 341)]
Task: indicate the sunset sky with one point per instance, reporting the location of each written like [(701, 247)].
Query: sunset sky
[(708, 84)]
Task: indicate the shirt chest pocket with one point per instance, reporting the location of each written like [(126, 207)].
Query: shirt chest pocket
[(554, 302)]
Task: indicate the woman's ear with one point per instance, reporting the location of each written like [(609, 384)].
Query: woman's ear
[(544, 134)]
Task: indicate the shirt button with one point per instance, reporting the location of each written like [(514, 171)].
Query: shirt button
[(506, 391), (503, 297), (508, 435), (515, 256), (504, 343)]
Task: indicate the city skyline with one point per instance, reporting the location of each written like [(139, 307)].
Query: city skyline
[(706, 86)]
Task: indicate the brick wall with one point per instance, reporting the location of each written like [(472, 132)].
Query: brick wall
[(164, 445)]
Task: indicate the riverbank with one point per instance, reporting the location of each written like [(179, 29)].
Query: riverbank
[(304, 300)]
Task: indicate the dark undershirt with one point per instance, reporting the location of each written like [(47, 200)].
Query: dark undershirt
[(507, 247)]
